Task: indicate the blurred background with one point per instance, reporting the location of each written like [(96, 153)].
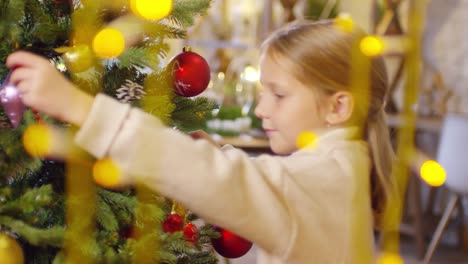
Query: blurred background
[(229, 37)]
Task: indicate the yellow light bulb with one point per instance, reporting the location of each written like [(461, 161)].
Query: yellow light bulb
[(106, 173), (37, 140), (344, 22), (372, 46), (306, 140), (109, 43), (433, 173), (151, 9)]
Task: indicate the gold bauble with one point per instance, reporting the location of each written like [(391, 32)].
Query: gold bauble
[(10, 251), (79, 58)]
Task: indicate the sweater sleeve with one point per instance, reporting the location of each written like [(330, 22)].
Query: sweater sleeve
[(225, 188)]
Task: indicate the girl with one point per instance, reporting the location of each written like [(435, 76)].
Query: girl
[(310, 205)]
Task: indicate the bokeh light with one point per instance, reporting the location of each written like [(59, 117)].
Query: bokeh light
[(390, 258), (151, 9), (372, 46), (433, 173), (109, 43), (250, 74), (37, 140), (106, 173), (344, 22), (306, 140)]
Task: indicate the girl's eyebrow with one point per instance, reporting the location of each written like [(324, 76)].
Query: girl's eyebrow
[(271, 85)]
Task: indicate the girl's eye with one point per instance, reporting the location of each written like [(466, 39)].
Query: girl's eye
[(279, 96)]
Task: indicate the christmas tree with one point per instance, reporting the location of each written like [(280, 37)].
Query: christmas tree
[(115, 47)]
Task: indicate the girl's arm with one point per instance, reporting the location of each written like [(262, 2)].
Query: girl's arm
[(226, 189)]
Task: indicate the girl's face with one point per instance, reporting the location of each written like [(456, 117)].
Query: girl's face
[(287, 107)]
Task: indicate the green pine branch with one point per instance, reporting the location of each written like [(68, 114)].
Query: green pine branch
[(190, 113), (43, 26), (10, 10), (118, 200), (105, 216), (206, 234), (184, 12), (148, 213), (14, 161), (133, 56), (187, 252), (149, 56), (6, 46), (121, 206), (198, 257), (168, 258), (30, 201), (52, 236), (160, 29), (174, 242)]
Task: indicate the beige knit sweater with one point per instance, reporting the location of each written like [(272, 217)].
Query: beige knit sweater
[(310, 207)]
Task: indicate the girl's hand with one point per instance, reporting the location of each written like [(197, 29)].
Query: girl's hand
[(46, 90)]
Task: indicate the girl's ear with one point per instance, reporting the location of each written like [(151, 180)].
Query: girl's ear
[(341, 106)]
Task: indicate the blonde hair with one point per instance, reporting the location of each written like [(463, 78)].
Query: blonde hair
[(318, 54)]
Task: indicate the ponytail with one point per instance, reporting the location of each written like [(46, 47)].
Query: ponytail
[(382, 155)]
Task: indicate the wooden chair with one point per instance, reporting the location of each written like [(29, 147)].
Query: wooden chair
[(451, 155)]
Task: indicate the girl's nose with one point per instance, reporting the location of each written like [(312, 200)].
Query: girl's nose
[(260, 110)]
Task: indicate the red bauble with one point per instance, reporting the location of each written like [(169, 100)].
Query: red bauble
[(173, 223), (190, 73), (230, 245), (191, 232)]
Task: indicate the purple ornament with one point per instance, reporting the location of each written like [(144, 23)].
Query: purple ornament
[(11, 102)]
